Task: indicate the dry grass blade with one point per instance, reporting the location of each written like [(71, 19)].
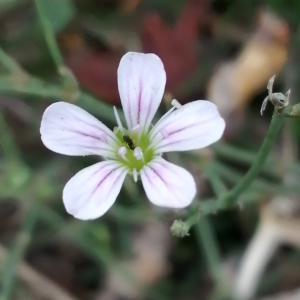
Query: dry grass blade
[(40, 284)]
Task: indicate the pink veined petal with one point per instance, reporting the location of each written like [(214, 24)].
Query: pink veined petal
[(93, 190), (195, 125), (141, 81), (168, 185), (68, 129)]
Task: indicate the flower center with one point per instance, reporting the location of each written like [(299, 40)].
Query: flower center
[(134, 150)]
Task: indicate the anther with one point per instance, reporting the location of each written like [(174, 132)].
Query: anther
[(138, 153), (122, 152), (135, 174), (175, 103)]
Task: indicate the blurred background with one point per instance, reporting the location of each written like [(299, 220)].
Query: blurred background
[(221, 50)]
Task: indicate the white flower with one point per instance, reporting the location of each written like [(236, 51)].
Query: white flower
[(137, 150)]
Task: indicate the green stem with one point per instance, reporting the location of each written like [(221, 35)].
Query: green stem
[(262, 154), (228, 200), (213, 177), (9, 148), (49, 36), (9, 63), (207, 240), (240, 155), (69, 81), (15, 173)]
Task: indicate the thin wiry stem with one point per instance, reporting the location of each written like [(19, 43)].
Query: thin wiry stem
[(206, 238), (9, 63), (49, 36), (262, 155), (69, 81), (231, 198)]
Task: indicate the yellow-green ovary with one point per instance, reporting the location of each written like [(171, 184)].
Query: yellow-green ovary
[(130, 141)]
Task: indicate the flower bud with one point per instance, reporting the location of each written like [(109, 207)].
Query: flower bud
[(295, 111), (180, 228)]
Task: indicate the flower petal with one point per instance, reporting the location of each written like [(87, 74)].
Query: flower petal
[(68, 129), (93, 190), (168, 185), (195, 125), (141, 81)]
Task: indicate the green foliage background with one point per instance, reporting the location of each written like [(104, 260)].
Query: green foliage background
[(34, 222)]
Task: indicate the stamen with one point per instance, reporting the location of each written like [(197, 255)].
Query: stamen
[(165, 115), (164, 134), (156, 129), (136, 128), (118, 121), (116, 129), (122, 152), (138, 153), (135, 174), (158, 138), (175, 103), (153, 132)]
